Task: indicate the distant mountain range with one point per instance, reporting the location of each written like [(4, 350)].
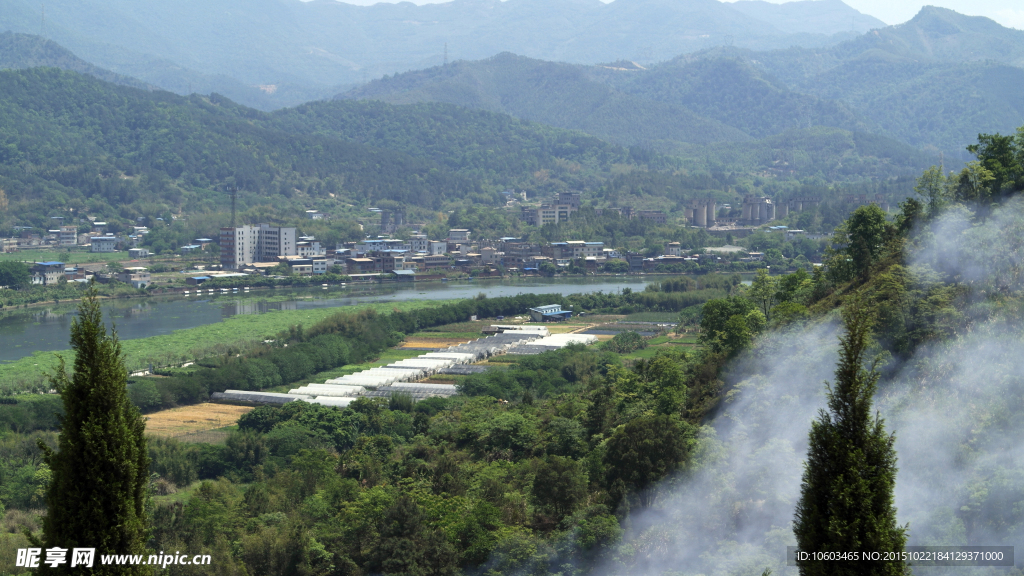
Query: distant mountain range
[(934, 83), (20, 51), (272, 53)]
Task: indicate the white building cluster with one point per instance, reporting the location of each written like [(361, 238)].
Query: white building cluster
[(403, 376)]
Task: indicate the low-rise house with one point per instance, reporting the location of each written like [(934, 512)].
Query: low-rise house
[(137, 276), (309, 249), (138, 253), (550, 313), (361, 266), (301, 266), (491, 256), (104, 244), (436, 247), (404, 275), (458, 236), (47, 273)]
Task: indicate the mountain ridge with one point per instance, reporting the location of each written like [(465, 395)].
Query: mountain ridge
[(881, 82), (307, 50)]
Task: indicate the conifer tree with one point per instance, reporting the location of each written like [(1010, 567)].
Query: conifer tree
[(98, 491), (846, 502)]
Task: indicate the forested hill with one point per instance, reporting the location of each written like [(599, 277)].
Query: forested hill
[(72, 141), (277, 53), (936, 81), (918, 83), (18, 51), (945, 35), (497, 148), (562, 95)]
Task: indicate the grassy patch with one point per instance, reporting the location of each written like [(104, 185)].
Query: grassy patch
[(672, 317), (233, 334), (77, 256), (459, 327)]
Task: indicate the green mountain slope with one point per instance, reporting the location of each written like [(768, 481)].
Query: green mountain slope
[(497, 148), (18, 51), (737, 93), (72, 141), (829, 154), (936, 81), (942, 34), (933, 82), (561, 95)]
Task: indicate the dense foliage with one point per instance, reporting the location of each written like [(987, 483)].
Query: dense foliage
[(72, 142)]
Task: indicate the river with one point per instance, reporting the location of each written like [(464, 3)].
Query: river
[(23, 332)]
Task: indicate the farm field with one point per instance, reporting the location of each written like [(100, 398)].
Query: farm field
[(190, 419), (417, 341)]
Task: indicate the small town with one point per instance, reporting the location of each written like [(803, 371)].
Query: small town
[(280, 252)]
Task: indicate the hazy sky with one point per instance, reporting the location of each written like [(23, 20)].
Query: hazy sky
[(1009, 13)]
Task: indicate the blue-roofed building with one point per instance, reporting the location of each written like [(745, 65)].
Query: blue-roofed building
[(196, 280), (47, 273), (550, 313)]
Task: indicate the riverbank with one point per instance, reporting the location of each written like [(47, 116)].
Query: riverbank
[(184, 290), (232, 335)]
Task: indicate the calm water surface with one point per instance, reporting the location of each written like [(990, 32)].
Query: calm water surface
[(23, 332)]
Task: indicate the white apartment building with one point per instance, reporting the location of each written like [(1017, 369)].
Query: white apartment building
[(436, 248), (245, 245), (104, 244), (68, 235), (419, 243)]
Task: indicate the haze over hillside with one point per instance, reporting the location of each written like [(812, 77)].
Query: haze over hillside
[(270, 53), (918, 82)]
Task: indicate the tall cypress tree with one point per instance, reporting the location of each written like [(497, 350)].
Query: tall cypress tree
[(100, 470), (846, 502)]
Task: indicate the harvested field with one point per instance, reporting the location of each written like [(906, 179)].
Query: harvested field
[(191, 419), (418, 342)]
